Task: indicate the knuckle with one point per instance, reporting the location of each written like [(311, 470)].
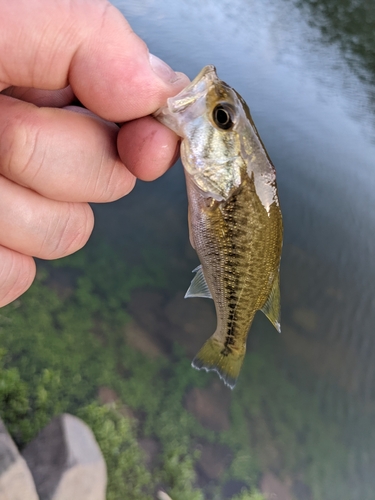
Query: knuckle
[(69, 231), (18, 145), (119, 183), (17, 272)]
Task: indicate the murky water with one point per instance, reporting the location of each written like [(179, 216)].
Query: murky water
[(304, 68)]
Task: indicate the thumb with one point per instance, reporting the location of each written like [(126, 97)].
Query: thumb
[(89, 45)]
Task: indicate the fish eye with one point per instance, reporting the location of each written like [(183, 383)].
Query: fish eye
[(222, 117)]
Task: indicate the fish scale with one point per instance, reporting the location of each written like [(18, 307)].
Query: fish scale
[(244, 267), (235, 221)]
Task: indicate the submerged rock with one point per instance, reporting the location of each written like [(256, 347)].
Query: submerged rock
[(107, 396), (273, 489), (210, 406), (152, 451), (214, 460), (233, 487), (66, 462), (16, 482), (142, 340)]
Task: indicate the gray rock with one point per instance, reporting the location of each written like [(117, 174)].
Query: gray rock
[(66, 462), (16, 482)]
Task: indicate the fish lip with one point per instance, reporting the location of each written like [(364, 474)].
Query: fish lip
[(191, 93), (203, 74), (169, 114), (194, 91)]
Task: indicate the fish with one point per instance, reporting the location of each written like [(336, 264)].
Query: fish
[(234, 216)]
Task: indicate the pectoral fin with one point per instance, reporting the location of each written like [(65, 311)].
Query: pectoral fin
[(272, 306), (198, 286)]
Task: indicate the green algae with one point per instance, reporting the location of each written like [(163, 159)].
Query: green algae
[(64, 339)]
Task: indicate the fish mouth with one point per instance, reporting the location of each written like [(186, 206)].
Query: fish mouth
[(193, 93), (208, 72)]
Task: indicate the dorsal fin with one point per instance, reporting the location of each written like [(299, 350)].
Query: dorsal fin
[(198, 286), (272, 306)]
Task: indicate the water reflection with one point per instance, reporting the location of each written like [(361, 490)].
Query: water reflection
[(350, 25)]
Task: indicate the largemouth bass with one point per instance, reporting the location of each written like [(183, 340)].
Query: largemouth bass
[(235, 221)]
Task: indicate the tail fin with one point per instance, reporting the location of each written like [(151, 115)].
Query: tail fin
[(227, 362)]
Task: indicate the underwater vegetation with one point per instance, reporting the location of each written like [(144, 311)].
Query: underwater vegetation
[(64, 340)]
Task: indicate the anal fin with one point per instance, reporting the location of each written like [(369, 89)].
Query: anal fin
[(198, 286)]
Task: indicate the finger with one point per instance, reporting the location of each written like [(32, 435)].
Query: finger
[(45, 148), (33, 225), (51, 98), (147, 148), (17, 272), (89, 45)]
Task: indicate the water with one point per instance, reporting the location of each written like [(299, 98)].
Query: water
[(315, 116), (305, 69)]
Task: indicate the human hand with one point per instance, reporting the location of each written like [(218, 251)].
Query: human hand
[(55, 158)]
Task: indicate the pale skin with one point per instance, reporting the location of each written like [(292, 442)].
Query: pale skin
[(55, 158)]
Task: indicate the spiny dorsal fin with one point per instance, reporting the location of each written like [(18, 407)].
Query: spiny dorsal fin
[(272, 306), (198, 286)]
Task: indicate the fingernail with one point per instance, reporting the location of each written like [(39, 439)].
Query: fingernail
[(162, 69)]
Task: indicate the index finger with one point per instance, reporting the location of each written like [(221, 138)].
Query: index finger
[(89, 45)]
